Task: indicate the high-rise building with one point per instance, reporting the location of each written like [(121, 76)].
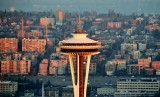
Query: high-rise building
[(8, 44), (33, 45), (12, 9), (60, 15), (79, 46)]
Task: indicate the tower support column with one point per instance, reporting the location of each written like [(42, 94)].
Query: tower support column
[(80, 80), (81, 76)]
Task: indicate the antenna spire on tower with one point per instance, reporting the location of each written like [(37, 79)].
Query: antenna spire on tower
[(79, 22)]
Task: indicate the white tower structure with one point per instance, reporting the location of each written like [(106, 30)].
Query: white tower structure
[(81, 47)]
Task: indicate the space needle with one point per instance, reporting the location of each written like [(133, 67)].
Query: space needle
[(81, 48)]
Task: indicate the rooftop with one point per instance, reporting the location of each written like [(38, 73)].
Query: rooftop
[(7, 82), (136, 80)]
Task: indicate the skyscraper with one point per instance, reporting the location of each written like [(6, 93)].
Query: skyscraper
[(79, 46), (60, 15)]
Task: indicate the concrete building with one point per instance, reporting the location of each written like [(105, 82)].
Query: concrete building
[(33, 45), (12, 9), (43, 67), (67, 92), (110, 69), (144, 62), (33, 33), (29, 93), (128, 46), (9, 88), (156, 65), (149, 71), (93, 68), (134, 69), (114, 24), (58, 66), (6, 56), (121, 67), (52, 92), (107, 91), (137, 88), (47, 21), (17, 56), (60, 15), (136, 54), (15, 66), (120, 64), (142, 47), (8, 45), (153, 27)]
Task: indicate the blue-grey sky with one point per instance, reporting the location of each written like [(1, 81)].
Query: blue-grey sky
[(101, 6)]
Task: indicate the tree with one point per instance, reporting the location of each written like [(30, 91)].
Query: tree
[(156, 34), (49, 83)]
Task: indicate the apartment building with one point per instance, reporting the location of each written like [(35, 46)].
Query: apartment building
[(43, 67), (58, 66), (8, 44), (15, 66), (33, 33), (33, 45)]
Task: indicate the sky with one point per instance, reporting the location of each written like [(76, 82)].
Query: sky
[(101, 6)]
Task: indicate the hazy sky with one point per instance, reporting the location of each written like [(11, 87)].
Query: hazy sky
[(101, 6)]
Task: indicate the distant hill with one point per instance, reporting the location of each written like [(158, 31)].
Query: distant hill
[(101, 6)]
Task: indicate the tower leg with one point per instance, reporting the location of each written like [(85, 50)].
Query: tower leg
[(80, 84), (75, 86), (81, 76), (87, 73)]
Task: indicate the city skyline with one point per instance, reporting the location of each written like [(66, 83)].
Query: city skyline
[(48, 54), (100, 6)]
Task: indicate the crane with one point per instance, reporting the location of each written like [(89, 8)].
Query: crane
[(40, 26)]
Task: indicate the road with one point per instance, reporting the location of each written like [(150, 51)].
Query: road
[(66, 80)]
